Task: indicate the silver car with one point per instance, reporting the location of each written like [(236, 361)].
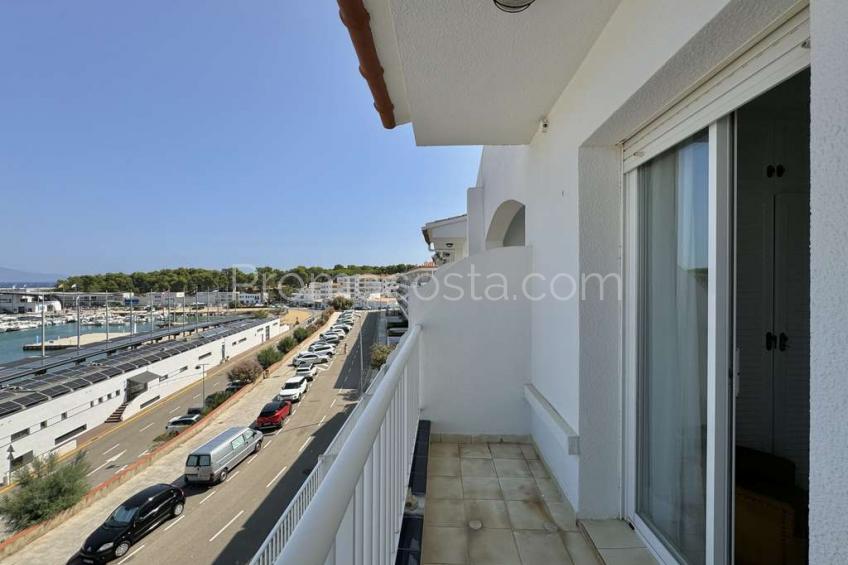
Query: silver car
[(213, 461)]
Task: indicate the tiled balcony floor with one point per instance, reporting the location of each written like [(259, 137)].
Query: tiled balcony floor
[(495, 503), (504, 490)]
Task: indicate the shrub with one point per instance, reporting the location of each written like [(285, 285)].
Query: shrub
[(379, 354), (261, 314), (286, 344), (339, 302), (325, 314), (214, 400), (165, 436), (268, 357), (300, 334), (44, 489), (245, 372)]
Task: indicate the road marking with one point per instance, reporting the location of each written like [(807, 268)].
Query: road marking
[(227, 525), (143, 453), (324, 417), (333, 403), (145, 427), (249, 461), (208, 496), (174, 410), (139, 548), (111, 448), (110, 460), (196, 395), (277, 476), (230, 478), (121, 469), (305, 443), (174, 523), (267, 443)]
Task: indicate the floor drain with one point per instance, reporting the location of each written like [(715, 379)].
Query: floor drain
[(475, 524)]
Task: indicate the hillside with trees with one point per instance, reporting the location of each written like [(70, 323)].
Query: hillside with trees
[(188, 279)]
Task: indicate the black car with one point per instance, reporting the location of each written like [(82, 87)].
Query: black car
[(131, 521)]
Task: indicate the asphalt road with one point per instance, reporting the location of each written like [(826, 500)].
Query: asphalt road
[(227, 523)]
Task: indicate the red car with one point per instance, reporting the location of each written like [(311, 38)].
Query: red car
[(273, 414)]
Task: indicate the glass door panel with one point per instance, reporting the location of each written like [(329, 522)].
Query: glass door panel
[(672, 399)]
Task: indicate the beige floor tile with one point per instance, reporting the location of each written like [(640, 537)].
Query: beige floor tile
[(444, 487), (541, 548), (442, 449), (538, 469), (512, 468), (549, 489), (527, 515), (506, 450), (477, 468), (481, 488), (520, 489), (611, 534), (456, 438), (529, 452), (631, 556), (579, 548), (445, 545), (443, 466), (475, 451), (491, 513), (563, 514), (445, 512), (492, 547)]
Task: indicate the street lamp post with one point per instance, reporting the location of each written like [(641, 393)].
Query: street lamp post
[(79, 321), (202, 382), (11, 456), (107, 317)]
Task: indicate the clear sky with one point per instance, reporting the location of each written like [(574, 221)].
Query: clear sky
[(152, 134)]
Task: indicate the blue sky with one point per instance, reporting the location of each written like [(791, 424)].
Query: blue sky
[(144, 135)]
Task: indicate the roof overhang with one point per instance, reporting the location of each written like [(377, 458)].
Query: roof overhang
[(446, 228), (466, 73)]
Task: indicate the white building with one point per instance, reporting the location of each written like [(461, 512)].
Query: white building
[(46, 413), (365, 288), (227, 297), (447, 238), (18, 302), (662, 190), (165, 299)]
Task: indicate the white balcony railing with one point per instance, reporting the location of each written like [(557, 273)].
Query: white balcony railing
[(350, 508)]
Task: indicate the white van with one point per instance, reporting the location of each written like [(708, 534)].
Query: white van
[(213, 461)]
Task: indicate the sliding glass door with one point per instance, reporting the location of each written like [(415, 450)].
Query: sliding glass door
[(677, 229)]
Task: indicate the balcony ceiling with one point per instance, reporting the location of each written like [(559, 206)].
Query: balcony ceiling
[(465, 73)]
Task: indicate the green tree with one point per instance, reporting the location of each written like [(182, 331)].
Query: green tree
[(300, 334), (245, 372), (268, 356), (45, 488), (340, 302), (379, 354), (286, 344)]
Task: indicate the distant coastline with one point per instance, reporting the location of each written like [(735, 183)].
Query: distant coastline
[(35, 284)]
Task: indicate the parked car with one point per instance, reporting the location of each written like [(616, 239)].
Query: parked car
[(330, 337), (293, 389), (235, 386), (180, 423), (194, 410), (309, 358), (322, 348), (308, 372), (341, 327), (131, 521), (273, 414), (212, 462)]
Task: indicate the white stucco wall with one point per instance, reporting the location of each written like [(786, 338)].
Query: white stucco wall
[(828, 273), (572, 197), (475, 350)]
